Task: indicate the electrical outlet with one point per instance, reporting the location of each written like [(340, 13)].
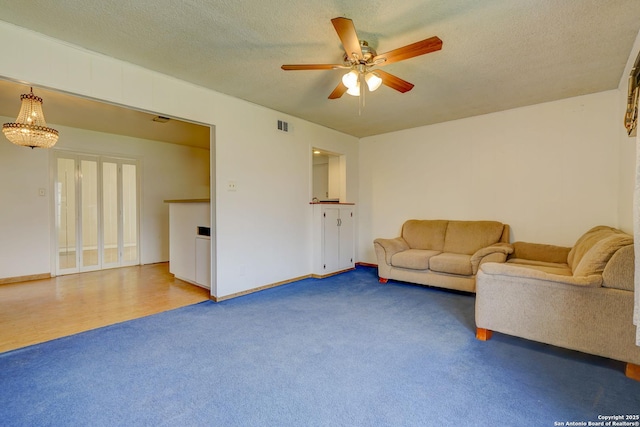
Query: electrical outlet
[(232, 186)]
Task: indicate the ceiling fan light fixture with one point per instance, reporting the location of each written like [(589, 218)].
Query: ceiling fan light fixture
[(359, 58), (350, 79), (355, 90), (373, 81)]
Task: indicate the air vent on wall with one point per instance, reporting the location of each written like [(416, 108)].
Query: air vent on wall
[(283, 126)]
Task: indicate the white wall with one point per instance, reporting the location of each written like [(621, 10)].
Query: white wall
[(549, 170), (262, 230), (264, 227), (168, 171), (24, 215)]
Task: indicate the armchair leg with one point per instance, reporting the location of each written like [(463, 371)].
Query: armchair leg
[(633, 371), (483, 334), (382, 280)]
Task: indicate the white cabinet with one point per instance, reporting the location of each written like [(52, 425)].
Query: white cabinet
[(187, 253), (334, 235), (203, 261)]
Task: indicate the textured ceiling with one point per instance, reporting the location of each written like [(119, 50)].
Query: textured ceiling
[(497, 54)]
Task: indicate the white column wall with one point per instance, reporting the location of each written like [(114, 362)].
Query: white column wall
[(263, 229)]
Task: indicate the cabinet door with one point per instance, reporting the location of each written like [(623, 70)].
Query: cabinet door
[(331, 239), (203, 262), (346, 224)]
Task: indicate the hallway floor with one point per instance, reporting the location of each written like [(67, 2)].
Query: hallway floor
[(42, 310)]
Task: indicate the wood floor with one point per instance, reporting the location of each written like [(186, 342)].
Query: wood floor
[(42, 310)]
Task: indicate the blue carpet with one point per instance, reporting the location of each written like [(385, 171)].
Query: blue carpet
[(342, 351)]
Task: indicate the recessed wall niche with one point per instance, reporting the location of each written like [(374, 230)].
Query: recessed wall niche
[(328, 176)]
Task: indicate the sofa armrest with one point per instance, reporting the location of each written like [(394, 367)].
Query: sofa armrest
[(391, 247), (540, 252), (497, 252), (619, 271), (533, 276)]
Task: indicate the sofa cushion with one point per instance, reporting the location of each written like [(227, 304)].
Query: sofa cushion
[(586, 242), (526, 262), (548, 267), (540, 252), (451, 263), (466, 237), (596, 258), (415, 259), (425, 234)]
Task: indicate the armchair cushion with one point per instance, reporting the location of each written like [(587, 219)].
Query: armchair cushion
[(540, 252), (548, 267), (596, 258), (587, 241)]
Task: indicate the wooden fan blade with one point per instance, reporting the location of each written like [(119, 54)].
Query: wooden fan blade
[(429, 45), (293, 67), (348, 36), (394, 82), (338, 91)]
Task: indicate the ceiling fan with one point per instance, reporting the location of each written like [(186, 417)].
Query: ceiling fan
[(361, 60)]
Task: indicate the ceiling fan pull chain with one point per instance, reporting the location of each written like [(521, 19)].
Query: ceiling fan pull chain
[(361, 97)]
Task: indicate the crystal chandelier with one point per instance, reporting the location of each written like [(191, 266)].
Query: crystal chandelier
[(30, 128)]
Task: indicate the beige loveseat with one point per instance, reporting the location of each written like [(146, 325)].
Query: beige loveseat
[(442, 253), (580, 298)]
